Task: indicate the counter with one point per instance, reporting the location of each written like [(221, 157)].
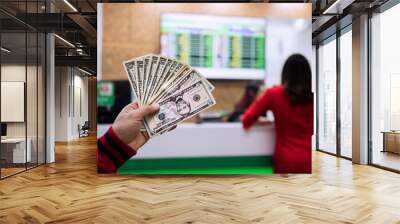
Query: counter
[(208, 148), (208, 139)]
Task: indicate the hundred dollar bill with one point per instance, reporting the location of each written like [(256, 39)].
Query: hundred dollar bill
[(131, 70), (178, 107)]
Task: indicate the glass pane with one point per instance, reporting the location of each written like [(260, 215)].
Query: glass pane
[(385, 86), (31, 88), (31, 98), (13, 85), (346, 94), (327, 97), (41, 98)]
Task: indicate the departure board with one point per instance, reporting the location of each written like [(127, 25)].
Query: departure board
[(223, 45)]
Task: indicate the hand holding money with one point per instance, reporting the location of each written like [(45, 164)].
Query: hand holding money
[(129, 121), (180, 91)]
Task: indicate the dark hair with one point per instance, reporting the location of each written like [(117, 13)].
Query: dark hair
[(253, 85), (296, 79)]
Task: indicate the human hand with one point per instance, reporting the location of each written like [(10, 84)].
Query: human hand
[(129, 121), (264, 121)]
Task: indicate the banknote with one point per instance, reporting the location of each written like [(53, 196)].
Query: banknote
[(157, 75), (179, 72), (184, 104), (139, 72), (150, 74), (166, 71), (181, 91), (144, 74), (192, 77), (131, 69)]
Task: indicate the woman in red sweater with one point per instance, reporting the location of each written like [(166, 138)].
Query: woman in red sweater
[(292, 106)]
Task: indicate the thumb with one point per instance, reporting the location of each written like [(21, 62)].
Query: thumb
[(146, 110), (131, 107)]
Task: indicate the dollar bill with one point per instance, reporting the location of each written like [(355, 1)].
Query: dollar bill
[(166, 71), (146, 65), (131, 70), (181, 91), (192, 77), (180, 71), (157, 75), (139, 83), (150, 73), (184, 104)]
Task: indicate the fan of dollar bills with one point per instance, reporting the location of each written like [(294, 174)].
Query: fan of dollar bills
[(180, 90)]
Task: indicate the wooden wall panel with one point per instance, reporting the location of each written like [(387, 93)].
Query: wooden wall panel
[(132, 30), (92, 99), (17, 73)]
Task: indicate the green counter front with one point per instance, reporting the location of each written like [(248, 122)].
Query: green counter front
[(199, 165)]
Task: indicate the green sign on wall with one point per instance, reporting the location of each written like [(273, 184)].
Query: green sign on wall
[(105, 93)]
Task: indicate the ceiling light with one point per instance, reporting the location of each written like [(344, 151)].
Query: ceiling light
[(331, 7), (5, 50), (70, 5), (65, 41), (337, 7), (84, 71)]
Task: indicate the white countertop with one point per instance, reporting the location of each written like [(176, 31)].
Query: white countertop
[(207, 140)]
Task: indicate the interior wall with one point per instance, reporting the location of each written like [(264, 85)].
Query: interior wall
[(314, 89), (126, 25), (61, 103), (71, 102), (92, 104), (285, 36), (17, 73)]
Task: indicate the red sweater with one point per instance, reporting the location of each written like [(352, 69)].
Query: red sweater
[(294, 128), (112, 152)]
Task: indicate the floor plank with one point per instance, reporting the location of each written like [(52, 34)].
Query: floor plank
[(70, 191)]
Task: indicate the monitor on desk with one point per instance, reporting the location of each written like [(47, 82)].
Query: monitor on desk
[(3, 130)]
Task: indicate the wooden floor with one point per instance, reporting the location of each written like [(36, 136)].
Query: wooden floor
[(70, 191), (10, 171)]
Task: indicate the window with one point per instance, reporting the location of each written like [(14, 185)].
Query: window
[(385, 89), (346, 94), (22, 98), (327, 97)]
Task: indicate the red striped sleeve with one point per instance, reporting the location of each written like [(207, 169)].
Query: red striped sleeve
[(112, 152)]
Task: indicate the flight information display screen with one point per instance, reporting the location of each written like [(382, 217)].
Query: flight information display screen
[(226, 47)]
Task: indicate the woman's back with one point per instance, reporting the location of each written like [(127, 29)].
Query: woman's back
[(294, 128), (292, 105)]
